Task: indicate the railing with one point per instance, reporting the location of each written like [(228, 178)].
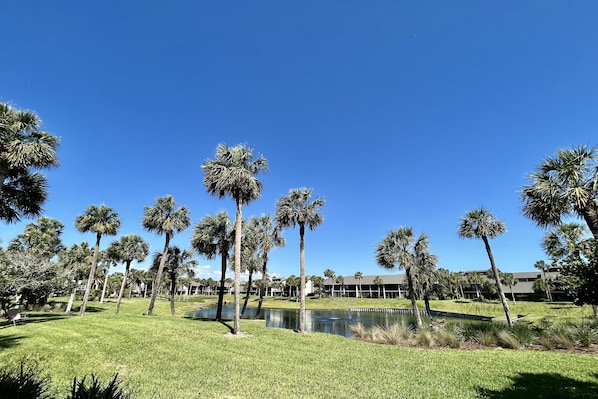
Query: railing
[(435, 313)]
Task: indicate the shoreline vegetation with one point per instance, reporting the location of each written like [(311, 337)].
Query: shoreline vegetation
[(177, 357)]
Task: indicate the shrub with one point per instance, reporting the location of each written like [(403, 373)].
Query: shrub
[(486, 338), (448, 337), (95, 390), (507, 339), (561, 336), (585, 334), (425, 338), (395, 334), (524, 334), (26, 383), (359, 331)]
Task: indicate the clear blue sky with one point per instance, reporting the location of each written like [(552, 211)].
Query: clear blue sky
[(397, 113)]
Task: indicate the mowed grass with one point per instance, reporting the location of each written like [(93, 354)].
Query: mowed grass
[(165, 357)]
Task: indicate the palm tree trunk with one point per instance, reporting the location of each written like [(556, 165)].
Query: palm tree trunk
[(249, 282), (237, 283), (69, 305), (501, 294), (418, 319), (302, 277), (427, 304), (332, 292), (156, 285), (172, 293), (122, 286), (264, 290), (546, 287), (223, 263), (513, 295), (590, 215), (104, 287), (92, 271)]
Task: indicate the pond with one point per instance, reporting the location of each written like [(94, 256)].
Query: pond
[(336, 321)]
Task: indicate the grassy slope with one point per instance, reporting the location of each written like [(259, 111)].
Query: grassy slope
[(165, 357)]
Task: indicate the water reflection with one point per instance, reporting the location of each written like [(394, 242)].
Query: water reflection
[(326, 321)]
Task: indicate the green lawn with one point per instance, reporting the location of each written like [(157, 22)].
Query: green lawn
[(165, 357)]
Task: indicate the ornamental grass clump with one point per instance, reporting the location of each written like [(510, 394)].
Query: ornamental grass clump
[(396, 334), (448, 337), (359, 331), (506, 339), (524, 333), (425, 338), (585, 334)]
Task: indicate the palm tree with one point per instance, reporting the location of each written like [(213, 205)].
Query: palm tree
[(41, 238), (564, 240), (164, 220), (297, 208), (105, 262), (266, 237), (475, 279), (340, 280), (358, 276), (100, 220), (509, 280), (564, 185), (250, 261), (24, 147), (75, 262), (379, 282), (232, 172), (292, 282), (399, 249), (479, 223), (212, 236), (329, 273), (129, 248), (179, 262), (318, 282), (426, 277), (541, 265)]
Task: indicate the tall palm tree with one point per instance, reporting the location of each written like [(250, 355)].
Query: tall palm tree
[(24, 148), (426, 277), (358, 276), (541, 265), (129, 248), (329, 273), (266, 237), (566, 184), (179, 262), (41, 238), (165, 220), (400, 249), (212, 236), (102, 221), (297, 208), (250, 261), (233, 172), (481, 224), (340, 280), (76, 262)]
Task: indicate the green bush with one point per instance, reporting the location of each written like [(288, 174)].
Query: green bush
[(26, 383), (524, 333), (95, 390)]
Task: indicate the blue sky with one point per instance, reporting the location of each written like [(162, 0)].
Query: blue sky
[(397, 113)]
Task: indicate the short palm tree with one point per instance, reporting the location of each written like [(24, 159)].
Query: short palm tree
[(298, 208), (101, 220), (566, 184), (509, 280), (378, 282), (129, 248), (212, 236), (233, 172), (340, 280), (564, 240), (75, 262), (400, 249), (358, 276), (24, 148), (329, 273), (481, 224), (542, 266), (178, 262), (165, 220), (475, 279), (41, 238)]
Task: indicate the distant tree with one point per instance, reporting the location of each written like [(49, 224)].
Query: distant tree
[(129, 248), (425, 278), (509, 280), (292, 281), (318, 282), (179, 262), (475, 279), (400, 249), (212, 236), (233, 172), (75, 263), (340, 280), (481, 224), (564, 185), (358, 276), (542, 266), (165, 220), (329, 273), (378, 282), (102, 221), (42, 238), (298, 209), (24, 148)]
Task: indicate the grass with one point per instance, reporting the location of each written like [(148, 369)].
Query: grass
[(162, 357)]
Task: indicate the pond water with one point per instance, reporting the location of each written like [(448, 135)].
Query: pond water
[(326, 321)]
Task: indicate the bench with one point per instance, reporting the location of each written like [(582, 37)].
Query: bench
[(14, 316)]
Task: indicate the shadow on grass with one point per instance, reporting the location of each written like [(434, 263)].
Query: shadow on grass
[(545, 385), (9, 341)]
